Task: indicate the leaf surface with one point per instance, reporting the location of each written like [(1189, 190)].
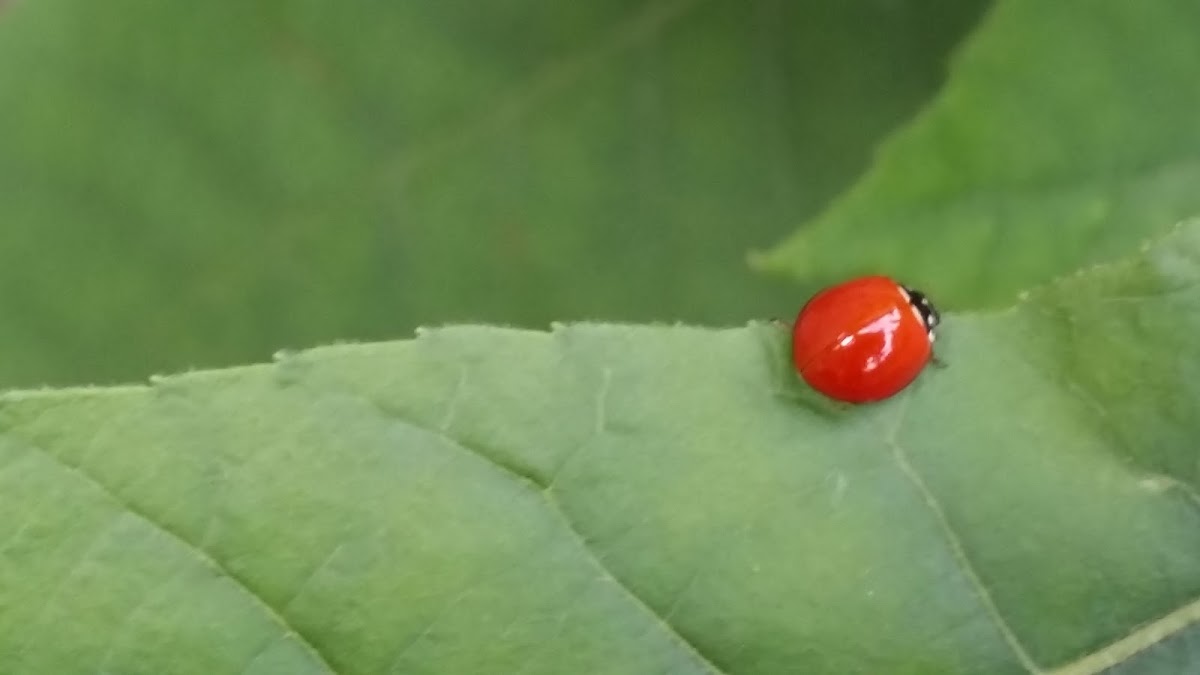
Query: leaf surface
[(628, 499)]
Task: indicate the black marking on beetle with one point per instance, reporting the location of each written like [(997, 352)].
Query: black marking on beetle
[(929, 314)]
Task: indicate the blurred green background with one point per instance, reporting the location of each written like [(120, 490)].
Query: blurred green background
[(200, 184)]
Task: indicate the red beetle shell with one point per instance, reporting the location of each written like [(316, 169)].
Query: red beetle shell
[(863, 340)]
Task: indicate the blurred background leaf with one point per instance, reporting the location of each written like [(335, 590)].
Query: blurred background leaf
[(1066, 135), (198, 184)]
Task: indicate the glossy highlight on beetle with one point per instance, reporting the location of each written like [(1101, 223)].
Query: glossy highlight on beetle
[(864, 340)]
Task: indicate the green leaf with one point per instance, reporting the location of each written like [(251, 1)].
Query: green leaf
[(187, 184), (1066, 134), (628, 499)]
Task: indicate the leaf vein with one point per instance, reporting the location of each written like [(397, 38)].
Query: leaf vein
[(129, 620), (202, 555), (1142, 638), (316, 572), (957, 550), (54, 595), (556, 509)]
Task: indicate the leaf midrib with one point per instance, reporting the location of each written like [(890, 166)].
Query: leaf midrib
[(526, 480), (203, 556)]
